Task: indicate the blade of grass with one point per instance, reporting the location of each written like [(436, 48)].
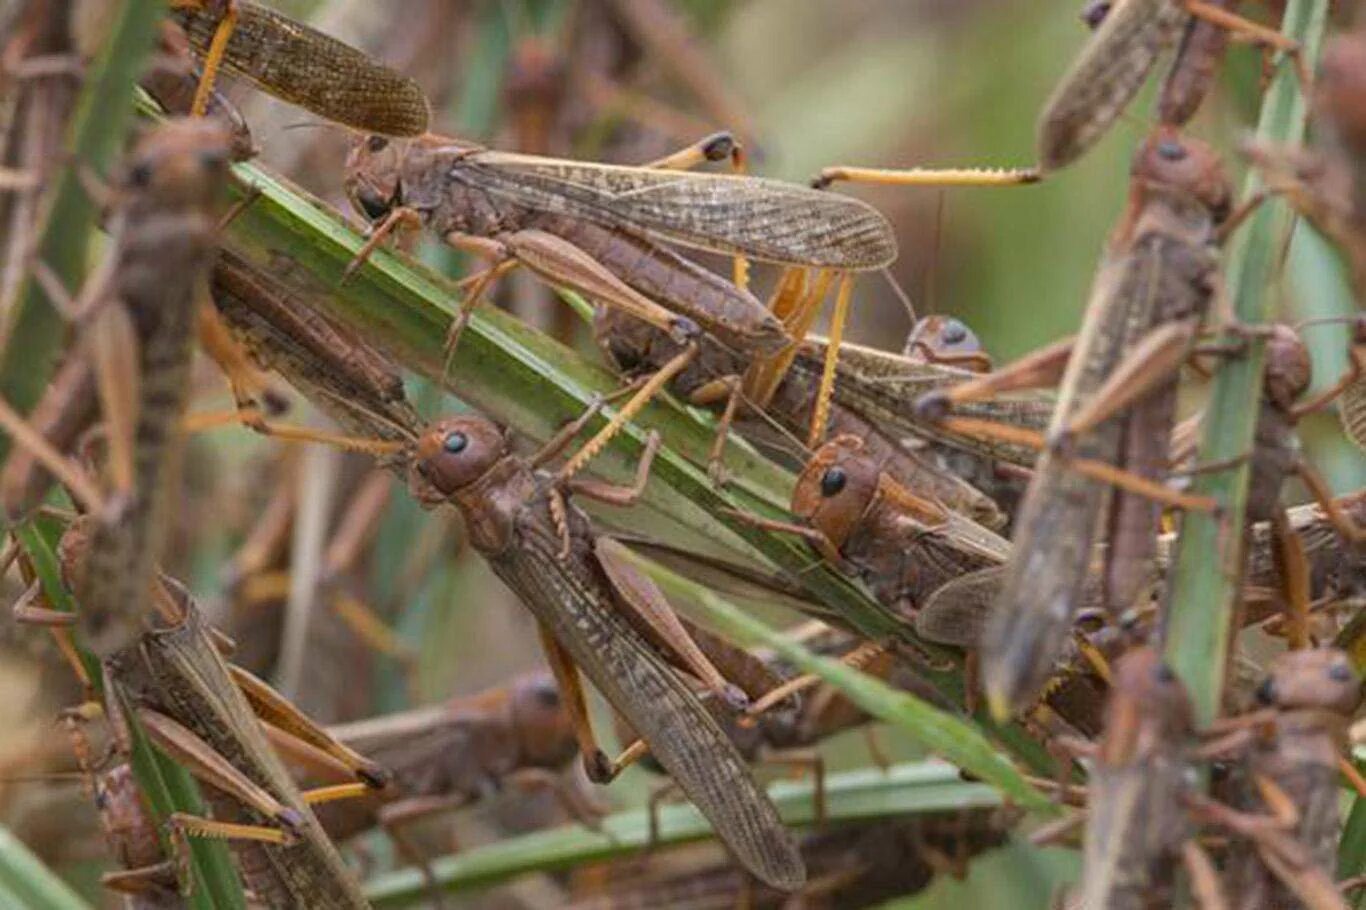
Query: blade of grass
[(167, 786), (956, 738), (32, 335), (26, 882), (903, 789), (1208, 569)]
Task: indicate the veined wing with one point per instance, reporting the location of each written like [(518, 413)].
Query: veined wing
[(764, 219), (313, 70)]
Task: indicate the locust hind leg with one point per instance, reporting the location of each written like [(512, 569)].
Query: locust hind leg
[(599, 768), (252, 392)]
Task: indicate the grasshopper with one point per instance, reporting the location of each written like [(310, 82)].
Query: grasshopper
[(1138, 825), (582, 593), (718, 375), (861, 864), (1115, 407), (1289, 768), (299, 65), (1116, 61)]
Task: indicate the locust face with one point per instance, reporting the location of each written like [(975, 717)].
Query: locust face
[(372, 183), (455, 452), (1148, 709), (1312, 678), (836, 488), (1187, 165), (1288, 367), (945, 340), (181, 165), (544, 731)]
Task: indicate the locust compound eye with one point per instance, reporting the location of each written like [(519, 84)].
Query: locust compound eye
[(213, 159), (955, 332), (1171, 150), (833, 481), (1165, 674), (455, 443), (1266, 692), (140, 174), (377, 144), (372, 204), (1340, 672)]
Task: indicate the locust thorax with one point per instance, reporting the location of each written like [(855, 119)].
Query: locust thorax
[(1320, 678), (1340, 90), (836, 488), (540, 723), (1288, 368), (1148, 709), (180, 166)]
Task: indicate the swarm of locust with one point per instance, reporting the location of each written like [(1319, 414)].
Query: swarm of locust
[(1059, 624)]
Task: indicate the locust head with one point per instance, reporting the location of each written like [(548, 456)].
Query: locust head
[(373, 180), (453, 453), (943, 339), (836, 488), (182, 164), (1148, 709), (545, 734), (1312, 678), (1171, 161), (1288, 367)]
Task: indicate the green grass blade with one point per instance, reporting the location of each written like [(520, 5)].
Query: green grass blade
[(1207, 576), (33, 334), (25, 882), (866, 793)]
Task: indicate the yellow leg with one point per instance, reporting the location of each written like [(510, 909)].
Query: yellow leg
[(938, 177), (213, 58), (821, 414)]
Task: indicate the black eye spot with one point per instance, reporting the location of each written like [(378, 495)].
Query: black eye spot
[(211, 159), (1171, 150), (548, 697), (955, 331), (372, 204), (1340, 672), (455, 443), (1165, 674), (833, 481), (1266, 692), (377, 143), (140, 174)]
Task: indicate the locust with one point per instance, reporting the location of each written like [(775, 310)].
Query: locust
[(219, 722), (1113, 417), (860, 864), (147, 879), (719, 376), (140, 326), (584, 596), (1138, 826), (1117, 59), (441, 757), (300, 65), (1288, 767)]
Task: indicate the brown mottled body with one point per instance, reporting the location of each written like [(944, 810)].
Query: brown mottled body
[(1105, 77), (462, 750), (1315, 694), (307, 68), (178, 672), (166, 243), (131, 834), (862, 864), (338, 371), (1136, 822), (635, 347), (620, 215), (514, 521), (1158, 270)]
